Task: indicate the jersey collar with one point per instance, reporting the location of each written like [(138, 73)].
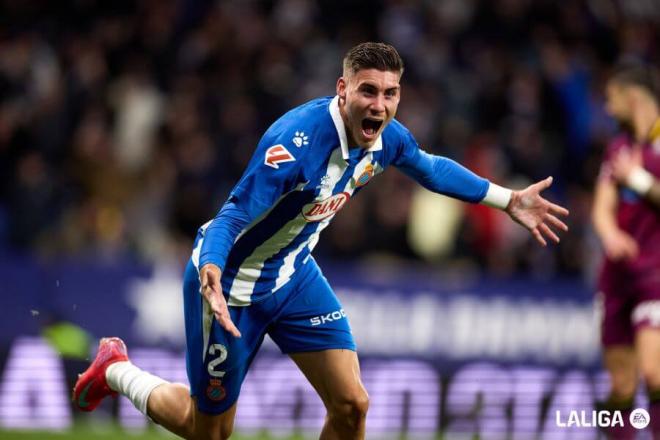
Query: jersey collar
[(341, 130)]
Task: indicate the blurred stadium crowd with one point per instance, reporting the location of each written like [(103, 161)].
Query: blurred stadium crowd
[(124, 124)]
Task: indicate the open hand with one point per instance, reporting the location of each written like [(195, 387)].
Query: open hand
[(212, 292), (535, 213)]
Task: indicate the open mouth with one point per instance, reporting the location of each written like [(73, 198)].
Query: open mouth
[(371, 126)]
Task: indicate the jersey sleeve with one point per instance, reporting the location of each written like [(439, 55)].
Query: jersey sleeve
[(272, 172), (221, 234), (439, 174)]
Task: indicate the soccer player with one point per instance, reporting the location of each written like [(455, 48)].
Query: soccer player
[(626, 218), (251, 270)]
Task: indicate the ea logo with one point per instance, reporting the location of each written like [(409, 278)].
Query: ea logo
[(639, 418)]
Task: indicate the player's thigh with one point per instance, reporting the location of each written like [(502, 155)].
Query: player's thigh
[(313, 329), (614, 304), (217, 362), (335, 375), (621, 364), (311, 317), (646, 322)]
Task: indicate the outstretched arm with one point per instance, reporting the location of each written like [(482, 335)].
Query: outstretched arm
[(219, 237), (535, 213), (526, 207)]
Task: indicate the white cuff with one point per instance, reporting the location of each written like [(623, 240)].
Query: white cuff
[(640, 181), (497, 196)]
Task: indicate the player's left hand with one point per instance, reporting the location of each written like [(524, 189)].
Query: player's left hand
[(535, 213)]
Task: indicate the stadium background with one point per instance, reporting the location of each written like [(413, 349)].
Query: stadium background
[(123, 126)]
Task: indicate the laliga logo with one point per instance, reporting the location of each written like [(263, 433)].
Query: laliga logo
[(315, 212), (639, 419)]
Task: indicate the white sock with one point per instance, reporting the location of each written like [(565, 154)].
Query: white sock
[(130, 381)]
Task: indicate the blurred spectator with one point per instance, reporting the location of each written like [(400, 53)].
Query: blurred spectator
[(124, 125)]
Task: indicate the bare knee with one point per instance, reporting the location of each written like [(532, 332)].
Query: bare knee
[(350, 411)]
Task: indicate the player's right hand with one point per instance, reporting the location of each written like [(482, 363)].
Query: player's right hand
[(620, 246), (209, 276)]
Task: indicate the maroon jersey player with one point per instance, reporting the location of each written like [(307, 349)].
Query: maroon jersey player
[(626, 216)]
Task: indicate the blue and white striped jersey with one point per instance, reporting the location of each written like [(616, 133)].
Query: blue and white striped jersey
[(302, 173)]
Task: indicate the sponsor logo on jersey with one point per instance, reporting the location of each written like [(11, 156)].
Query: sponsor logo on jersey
[(330, 317), (317, 211), (276, 155), (215, 391)]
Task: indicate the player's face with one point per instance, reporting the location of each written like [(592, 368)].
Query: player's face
[(617, 105), (368, 100)]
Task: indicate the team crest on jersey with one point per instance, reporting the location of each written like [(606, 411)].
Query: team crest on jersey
[(366, 176), (276, 155), (317, 211), (215, 391)]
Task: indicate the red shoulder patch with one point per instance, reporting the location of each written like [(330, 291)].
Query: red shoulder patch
[(276, 155)]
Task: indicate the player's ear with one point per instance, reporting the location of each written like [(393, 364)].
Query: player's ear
[(341, 87)]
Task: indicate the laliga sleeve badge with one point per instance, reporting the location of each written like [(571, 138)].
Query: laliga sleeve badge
[(215, 391), (276, 155)]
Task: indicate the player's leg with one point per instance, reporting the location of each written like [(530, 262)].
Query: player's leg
[(169, 404), (216, 364), (172, 407), (647, 347), (335, 375), (621, 367), (313, 329), (618, 356)]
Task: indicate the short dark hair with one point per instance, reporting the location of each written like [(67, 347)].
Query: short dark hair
[(371, 55), (640, 75)]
